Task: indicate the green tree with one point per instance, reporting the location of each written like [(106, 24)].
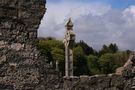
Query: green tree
[(113, 48), (80, 62), (45, 50), (107, 63), (53, 43), (58, 56), (51, 49), (86, 48), (93, 65), (103, 50)]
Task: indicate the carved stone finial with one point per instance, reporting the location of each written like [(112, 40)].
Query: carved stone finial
[(69, 23)]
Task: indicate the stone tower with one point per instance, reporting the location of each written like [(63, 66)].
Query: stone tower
[(68, 42)]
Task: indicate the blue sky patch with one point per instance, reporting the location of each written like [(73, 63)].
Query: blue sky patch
[(113, 3)]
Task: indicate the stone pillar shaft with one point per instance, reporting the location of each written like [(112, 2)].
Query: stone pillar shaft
[(71, 62), (68, 41), (66, 61)]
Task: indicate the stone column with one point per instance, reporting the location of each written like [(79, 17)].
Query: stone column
[(69, 41), (66, 60), (71, 62)]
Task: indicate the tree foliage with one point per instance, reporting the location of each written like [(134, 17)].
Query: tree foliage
[(52, 50), (93, 65), (86, 48), (80, 62), (112, 48), (107, 63), (87, 61)]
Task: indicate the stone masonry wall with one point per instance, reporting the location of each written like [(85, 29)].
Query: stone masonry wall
[(117, 81), (20, 65)]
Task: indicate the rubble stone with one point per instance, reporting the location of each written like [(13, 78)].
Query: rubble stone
[(21, 67)]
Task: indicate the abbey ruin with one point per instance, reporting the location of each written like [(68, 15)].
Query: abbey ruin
[(22, 67)]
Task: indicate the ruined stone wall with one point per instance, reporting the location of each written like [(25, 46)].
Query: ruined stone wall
[(125, 81), (20, 65)]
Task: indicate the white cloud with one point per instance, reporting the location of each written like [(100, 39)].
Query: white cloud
[(129, 16), (95, 23)]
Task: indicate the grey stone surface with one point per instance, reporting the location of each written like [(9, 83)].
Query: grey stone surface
[(21, 67)]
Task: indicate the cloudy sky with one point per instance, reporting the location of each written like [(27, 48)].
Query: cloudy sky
[(97, 22)]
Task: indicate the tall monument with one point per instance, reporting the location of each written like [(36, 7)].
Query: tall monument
[(68, 42)]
